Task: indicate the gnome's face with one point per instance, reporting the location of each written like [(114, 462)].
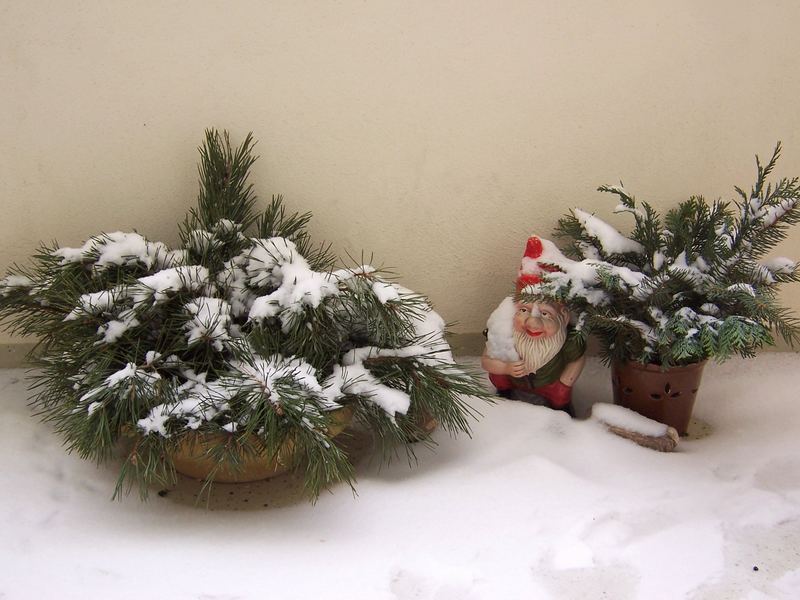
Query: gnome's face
[(540, 329)]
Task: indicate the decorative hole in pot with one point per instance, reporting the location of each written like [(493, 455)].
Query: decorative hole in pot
[(665, 396)]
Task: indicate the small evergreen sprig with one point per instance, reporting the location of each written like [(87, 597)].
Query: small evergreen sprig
[(246, 334), (682, 288)]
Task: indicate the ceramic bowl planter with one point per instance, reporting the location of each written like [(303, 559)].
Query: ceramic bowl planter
[(194, 456), (665, 396), (246, 321)]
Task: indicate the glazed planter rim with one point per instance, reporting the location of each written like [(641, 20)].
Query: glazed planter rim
[(633, 364)]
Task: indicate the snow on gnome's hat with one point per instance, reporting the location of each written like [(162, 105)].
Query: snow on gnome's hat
[(530, 270)]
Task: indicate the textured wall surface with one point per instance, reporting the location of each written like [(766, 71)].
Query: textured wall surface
[(434, 135)]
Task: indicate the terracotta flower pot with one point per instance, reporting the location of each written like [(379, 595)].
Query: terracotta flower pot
[(664, 396), (192, 457)]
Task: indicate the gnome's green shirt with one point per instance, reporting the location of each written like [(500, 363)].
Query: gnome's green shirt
[(574, 347)]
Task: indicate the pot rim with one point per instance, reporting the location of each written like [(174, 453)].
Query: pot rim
[(653, 367)]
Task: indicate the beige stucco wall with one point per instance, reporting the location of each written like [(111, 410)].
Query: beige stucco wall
[(435, 135)]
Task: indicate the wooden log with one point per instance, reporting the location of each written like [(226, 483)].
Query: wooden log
[(639, 429)]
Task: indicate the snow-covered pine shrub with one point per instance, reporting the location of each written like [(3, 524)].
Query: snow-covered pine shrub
[(247, 330), (684, 288)]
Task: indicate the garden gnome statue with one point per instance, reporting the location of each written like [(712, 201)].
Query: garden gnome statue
[(530, 348)]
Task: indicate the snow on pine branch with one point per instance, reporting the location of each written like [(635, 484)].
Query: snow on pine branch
[(232, 279), (356, 379), (210, 320), (578, 279), (779, 265), (351, 376), (15, 283), (129, 375), (119, 249), (765, 214), (154, 288), (255, 380), (97, 303), (201, 403), (265, 375), (276, 262), (159, 286), (114, 329), (611, 241)]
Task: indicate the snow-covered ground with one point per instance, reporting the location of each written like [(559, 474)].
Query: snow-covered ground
[(535, 505)]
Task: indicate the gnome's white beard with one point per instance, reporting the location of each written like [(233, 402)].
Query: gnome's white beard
[(538, 351)]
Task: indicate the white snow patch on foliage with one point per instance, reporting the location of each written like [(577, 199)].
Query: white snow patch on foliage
[(344, 274), (696, 271), (93, 407), (353, 377), (210, 320), (646, 332), (580, 278), (742, 287), (159, 285), (131, 371), (385, 292), (587, 250), (780, 265), (429, 328), (130, 374), (13, 283), (359, 355), (173, 258), (658, 316), (275, 262), (233, 279), (116, 328), (202, 241), (96, 303), (264, 375), (356, 379), (769, 215), (622, 208), (610, 240), (116, 248), (633, 279), (201, 403), (265, 256), (226, 226)]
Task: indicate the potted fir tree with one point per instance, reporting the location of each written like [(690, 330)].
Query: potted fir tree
[(679, 290), (237, 355)]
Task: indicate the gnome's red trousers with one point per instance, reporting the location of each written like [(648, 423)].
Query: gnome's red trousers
[(556, 393)]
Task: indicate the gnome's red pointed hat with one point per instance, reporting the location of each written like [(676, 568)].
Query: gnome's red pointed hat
[(530, 269)]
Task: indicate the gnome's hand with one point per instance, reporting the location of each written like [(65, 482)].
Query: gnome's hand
[(501, 367), (517, 369)]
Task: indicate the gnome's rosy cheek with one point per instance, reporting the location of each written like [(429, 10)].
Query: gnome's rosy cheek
[(550, 327)]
